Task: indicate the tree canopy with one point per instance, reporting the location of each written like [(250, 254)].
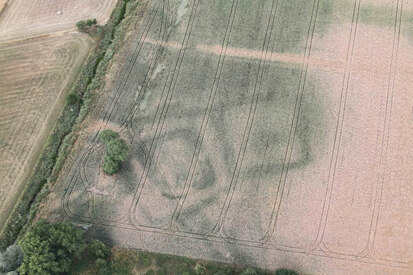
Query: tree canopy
[(117, 151), (11, 259), (107, 135), (50, 248)]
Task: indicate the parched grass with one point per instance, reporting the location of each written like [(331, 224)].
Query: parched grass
[(62, 138), (127, 261)]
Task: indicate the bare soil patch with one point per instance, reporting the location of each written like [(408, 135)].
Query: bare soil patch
[(2, 5), (268, 133)]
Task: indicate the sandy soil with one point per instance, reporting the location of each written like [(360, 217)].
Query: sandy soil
[(267, 133), (34, 77), (28, 18), (2, 5)]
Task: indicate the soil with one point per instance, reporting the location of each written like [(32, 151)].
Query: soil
[(266, 133)]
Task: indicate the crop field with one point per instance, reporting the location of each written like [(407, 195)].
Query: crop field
[(275, 133), (34, 76), (26, 18)]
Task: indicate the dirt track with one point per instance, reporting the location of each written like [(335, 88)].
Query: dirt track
[(269, 133)]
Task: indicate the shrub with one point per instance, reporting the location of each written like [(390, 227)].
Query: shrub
[(81, 25), (101, 263), (107, 135), (200, 269), (111, 166), (50, 248), (99, 250), (284, 271), (249, 271), (11, 259), (117, 149), (72, 98), (90, 22)]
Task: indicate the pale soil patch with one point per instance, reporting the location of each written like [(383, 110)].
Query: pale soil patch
[(2, 5), (35, 75), (27, 18)]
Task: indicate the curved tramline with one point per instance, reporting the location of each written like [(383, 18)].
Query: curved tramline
[(33, 83)]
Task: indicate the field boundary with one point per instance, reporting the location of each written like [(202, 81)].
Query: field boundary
[(55, 151)]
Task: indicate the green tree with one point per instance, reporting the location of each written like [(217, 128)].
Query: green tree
[(81, 25), (11, 259), (117, 149), (99, 249), (50, 248), (111, 166), (107, 135)]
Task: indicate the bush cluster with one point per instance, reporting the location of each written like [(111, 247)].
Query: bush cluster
[(101, 254), (116, 151), (84, 24), (50, 248), (11, 259)]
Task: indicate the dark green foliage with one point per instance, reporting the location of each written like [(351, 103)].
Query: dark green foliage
[(91, 22), (111, 166), (107, 135), (72, 98), (284, 271), (81, 25), (89, 80), (50, 248), (200, 269), (99, 250), (11, 259), (101, 253), (117, 149)]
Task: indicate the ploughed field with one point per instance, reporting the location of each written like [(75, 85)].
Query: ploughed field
[(34, 76), (23, 18), (272, 132)]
